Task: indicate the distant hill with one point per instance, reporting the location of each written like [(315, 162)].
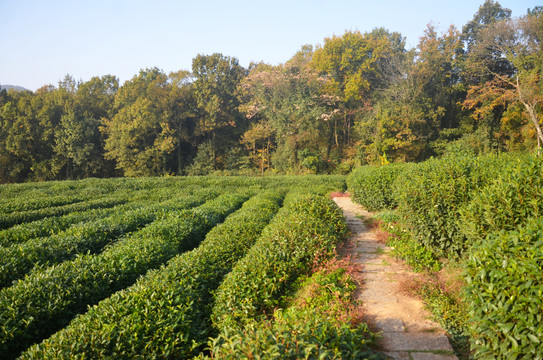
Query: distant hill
[(14, 87)]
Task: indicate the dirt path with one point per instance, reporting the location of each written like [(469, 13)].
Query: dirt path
[(407, 333)]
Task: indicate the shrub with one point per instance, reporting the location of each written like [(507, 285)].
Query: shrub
[(505, 294), (90, 237), (431, 194), (512, 199), (306, 228), (47, 299), (319, 324), (177, 318), (371, 186)]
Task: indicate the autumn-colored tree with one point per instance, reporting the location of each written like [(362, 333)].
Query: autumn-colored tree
[(519, 42), (354, 66), (286, 101)]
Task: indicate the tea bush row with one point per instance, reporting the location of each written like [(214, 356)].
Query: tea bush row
[(91, 237), (173, 303), (53, 225), (430, 195), (47, 299), (505, 267), (372, 186), (318, 324), (490, 208), (505, 294), (307, 228), (15, 218), (20, 204)]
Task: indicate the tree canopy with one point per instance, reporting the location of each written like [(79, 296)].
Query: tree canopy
[(358, 98)]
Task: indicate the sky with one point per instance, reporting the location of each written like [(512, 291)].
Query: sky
[(41, 41)]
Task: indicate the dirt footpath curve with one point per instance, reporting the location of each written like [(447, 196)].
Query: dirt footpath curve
[(407, 333)]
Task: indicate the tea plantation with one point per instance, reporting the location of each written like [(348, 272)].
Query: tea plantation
[(482, 214), (159, 267)]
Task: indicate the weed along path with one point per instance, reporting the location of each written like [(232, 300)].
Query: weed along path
[(405, 326)]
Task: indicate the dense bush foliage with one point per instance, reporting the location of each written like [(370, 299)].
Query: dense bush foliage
[(318, 323), (505, 294), (399, 238), (513, 198), (490, 207), (177, 319), (431, 194), (18, 217), (53, 225), (307, 227), (505, 286), (47, 299), (371, 186), (88, 237), (78, 259)]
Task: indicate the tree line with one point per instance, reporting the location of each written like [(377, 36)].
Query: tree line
[(358, 98)]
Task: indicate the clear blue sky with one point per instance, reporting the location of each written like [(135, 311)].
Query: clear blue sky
[(43, 40)]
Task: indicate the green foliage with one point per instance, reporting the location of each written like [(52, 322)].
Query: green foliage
[(431, 194), (505, 292), (371, 186), (307, 228), (450, 313), (18, 217), (311, 161), (53, 225), (514, 197), (313, 327), (47, 299), (177, 318), (83, 238), (418, 256), (204, 162)]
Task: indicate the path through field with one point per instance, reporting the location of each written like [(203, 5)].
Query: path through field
[(405, 326)]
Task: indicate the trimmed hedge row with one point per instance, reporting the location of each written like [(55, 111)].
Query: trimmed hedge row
[(317, 325), (26, 216), (372, 186), (505, 281), (307, 228), (505, 294), (515, 196), (46, 300), (19, 259), (430, 196), (172, 304), (25, 204), (53, 225)]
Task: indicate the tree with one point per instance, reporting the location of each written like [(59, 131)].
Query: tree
[(216, 78), (287, 111), (79, 145), (140, 135), (354, 67), (490, 12), (519, 42)]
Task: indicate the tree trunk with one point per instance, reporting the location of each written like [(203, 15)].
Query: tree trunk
[(533, 118)]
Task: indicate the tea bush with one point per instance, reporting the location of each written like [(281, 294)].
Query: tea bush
[(91, 237), (47, 299), (317, 325), (308, 227), (177, 317), (515, 196), (371, 186), (431, 194), (505, 294)]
